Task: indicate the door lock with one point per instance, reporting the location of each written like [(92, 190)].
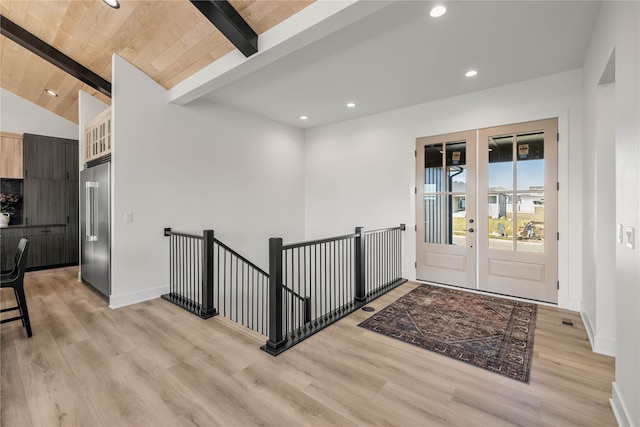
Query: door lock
[(470, 230)]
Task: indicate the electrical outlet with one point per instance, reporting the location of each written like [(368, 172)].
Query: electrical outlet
[(128, 217), (631, 237)]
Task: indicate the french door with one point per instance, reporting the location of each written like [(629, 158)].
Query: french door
[(487, 209), (446, 202)]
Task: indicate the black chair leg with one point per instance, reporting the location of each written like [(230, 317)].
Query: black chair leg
[(22, 303), (15, 291)]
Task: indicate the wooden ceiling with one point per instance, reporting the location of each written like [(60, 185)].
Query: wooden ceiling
[(167, 39)]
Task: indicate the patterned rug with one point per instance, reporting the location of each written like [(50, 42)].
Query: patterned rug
[(485, 331)]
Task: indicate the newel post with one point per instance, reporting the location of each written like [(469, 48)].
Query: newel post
[(359, 292), (277, 340), (207, 309)]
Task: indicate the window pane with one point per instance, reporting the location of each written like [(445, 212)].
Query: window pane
[(432, 219), (456, 166), (530, 161), (432, 168), (530, 219), (500, 224), (501, 163), (457, 217)]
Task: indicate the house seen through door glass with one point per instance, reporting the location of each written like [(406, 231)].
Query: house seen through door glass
[(516, 192)]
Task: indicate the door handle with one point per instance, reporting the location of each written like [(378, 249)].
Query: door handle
[(470, 230), (90, 211)]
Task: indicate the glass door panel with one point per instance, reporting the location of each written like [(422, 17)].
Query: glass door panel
[(445, 193), (432, 218), (500, 189), (530, 186)]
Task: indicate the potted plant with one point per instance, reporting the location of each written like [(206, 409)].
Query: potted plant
[(7, 203)]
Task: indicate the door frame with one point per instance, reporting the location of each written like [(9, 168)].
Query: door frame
[(552, 205)]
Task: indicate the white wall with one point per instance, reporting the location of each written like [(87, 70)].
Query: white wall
[(21, 116), (192, 168), (362, 172), (617, 29)]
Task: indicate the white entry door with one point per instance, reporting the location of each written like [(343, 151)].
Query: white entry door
[(445, 206), (486, 209), (517, 210)]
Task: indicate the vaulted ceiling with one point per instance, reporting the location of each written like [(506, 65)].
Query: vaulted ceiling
[(169, 40)]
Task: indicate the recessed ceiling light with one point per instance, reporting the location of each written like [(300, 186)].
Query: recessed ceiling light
[(50, 92), (471, 73), (351, 105), (303, 117), (438, 11), (112, 3)]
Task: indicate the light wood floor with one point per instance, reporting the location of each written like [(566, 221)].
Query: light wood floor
[(155, 364)]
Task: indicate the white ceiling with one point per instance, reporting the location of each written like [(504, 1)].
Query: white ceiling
[(400, 56)]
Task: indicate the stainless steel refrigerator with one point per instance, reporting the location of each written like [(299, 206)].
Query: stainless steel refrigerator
[(95, 207)]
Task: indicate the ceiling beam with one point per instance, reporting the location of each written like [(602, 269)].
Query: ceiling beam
[(24, 38), (226, 19)]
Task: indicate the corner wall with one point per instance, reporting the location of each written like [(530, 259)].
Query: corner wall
[(362, 172), (617, 29), (191, 168)]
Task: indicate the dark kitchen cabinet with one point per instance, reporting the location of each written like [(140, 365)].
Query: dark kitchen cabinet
[(72, 167), (45, 201), (9, 239), (50, 199), (44, 157), (47, 246), (73, 223)]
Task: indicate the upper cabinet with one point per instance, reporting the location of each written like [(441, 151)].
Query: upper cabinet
[(10, 155), (97, 136), (44, 157)]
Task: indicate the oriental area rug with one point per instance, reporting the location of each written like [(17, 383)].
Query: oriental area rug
[(489, 332)]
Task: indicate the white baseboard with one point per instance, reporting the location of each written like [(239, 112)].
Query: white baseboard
[(588, 326), (117, 301), (599, 344), (620, 411)]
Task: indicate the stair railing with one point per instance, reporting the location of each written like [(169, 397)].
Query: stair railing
[(334, 276), (310, 285)]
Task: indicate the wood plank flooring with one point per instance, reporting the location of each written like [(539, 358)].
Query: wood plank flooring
[(155, 364)]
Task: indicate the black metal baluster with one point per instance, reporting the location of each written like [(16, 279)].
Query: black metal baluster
[(359, 265), (251, 273), (172, 267), (307, 306), (184, 263), (315, 285), (327, 300), (341, 274), (192, 274), (300, 298), (334, 267)]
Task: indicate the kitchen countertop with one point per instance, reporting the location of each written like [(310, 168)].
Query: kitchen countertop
[(10, 226)]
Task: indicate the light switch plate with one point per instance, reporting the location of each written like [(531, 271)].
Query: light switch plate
[(619, 233), (631, 237)]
